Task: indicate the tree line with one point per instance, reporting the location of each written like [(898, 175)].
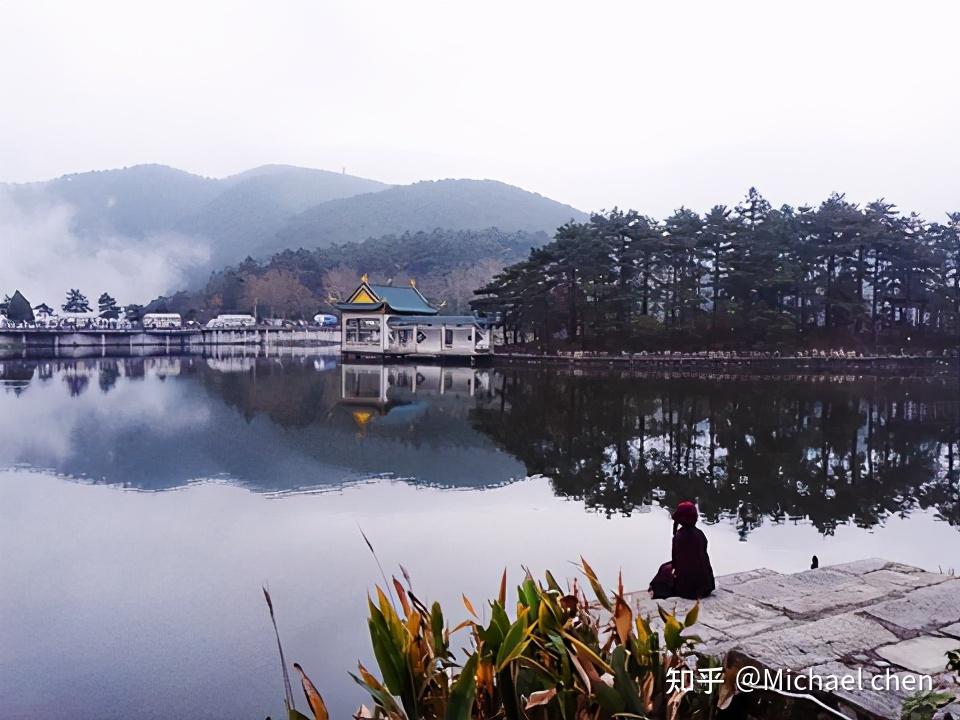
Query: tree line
[(750, 276), (296, 284), (17, 308)]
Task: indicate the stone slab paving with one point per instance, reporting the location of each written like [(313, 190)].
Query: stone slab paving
[(871, 617), (922, 609), (924, 654), (879, 704), (951, 630)]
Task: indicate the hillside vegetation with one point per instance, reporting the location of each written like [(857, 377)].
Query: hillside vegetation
[(448, 266), (246, 216), (273, 208), (449, 204)]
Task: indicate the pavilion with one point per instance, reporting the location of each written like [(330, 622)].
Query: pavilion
[(388, 321)]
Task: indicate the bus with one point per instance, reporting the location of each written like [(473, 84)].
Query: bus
[(232, 321)]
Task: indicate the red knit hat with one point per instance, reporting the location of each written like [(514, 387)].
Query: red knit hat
[(686, 513)]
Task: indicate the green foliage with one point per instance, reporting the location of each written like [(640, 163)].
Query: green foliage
[(448, 265), (923, 705), (748, 277), (550, 658)]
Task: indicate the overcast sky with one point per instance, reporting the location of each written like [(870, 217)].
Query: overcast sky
[(648, 105)]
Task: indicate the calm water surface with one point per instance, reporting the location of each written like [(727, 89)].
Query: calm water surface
[(143, 502)]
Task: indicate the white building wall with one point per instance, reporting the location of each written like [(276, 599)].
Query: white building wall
[(462, 343)]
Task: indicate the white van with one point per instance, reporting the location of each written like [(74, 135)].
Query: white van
[(162, 321)]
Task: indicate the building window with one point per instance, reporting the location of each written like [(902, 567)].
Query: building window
[(448, 337), (363, 331)]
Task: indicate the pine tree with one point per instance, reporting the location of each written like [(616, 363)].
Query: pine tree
[(716, 243), (18, 308), (755, 276), (107, 307), (76, 302), (133, 312)]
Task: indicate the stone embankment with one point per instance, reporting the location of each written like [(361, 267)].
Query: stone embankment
[(870, 617), (741, 362)]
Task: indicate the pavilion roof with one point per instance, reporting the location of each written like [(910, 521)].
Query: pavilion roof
[(401, 300)]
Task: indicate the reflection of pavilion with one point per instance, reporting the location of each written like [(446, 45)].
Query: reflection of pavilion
[(390, 390)]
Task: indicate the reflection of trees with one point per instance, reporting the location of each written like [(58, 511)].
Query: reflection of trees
[(77, 380), (109, 373), (290, 394), (831, 452)]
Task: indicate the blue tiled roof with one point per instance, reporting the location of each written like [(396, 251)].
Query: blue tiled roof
[(439, 320), (403, 299)]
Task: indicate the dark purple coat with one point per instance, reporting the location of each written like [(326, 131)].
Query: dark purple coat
[(693, 574)]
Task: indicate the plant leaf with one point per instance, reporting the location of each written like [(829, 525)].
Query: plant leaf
[(541, 697), (287, 689), (402, 595), (314, 700), (671, 634), (463, 692), (469, 606), (622, 619), (597, 587), (512, 645)]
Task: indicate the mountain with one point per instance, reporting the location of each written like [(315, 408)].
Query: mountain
[(423, 206), (258, 213), (132, 202), (257, 203)]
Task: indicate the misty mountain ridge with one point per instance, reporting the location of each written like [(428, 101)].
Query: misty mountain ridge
[(133, 202), (271, 208), (423, 206), (257, 203)]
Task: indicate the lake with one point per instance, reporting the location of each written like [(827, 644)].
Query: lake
[(144, 501)]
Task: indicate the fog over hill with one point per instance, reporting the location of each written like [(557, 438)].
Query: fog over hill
[(448, 204), (258, 203), (146, 230), (132, 202)]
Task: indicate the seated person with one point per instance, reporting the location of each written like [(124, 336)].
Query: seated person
[(689, 573)]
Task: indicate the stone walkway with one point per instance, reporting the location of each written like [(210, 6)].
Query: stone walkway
[(870, 616)]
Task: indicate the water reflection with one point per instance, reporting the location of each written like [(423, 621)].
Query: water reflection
[(276, 424), (830, 449)]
